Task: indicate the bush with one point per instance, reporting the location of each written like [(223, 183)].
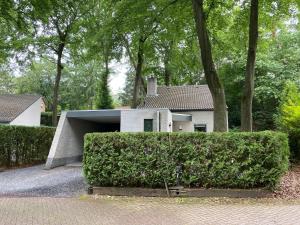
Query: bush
[(240, 160), (46, 119), (24, 145)]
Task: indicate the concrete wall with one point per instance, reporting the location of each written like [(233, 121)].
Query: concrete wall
[(133, 120), (31, 116), (67, 145), (198, 117)]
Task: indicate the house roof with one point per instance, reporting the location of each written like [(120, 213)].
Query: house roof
[(190, 97), (11, 106)]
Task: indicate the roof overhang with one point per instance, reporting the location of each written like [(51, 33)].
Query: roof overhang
[(99, 116), (181, 117), (189, 110)]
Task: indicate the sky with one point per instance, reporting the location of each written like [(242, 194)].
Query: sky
[(118, 77)]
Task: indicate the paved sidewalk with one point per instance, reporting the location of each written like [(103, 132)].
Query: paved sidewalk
[(73, 211)]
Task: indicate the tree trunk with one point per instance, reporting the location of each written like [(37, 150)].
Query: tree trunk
[(132, 61), (167, 72), (138, 74), (247, 97), (168, 76), (211, 76), (59, 68)]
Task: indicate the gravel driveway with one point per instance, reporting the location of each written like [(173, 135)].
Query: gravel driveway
[(35, 181)]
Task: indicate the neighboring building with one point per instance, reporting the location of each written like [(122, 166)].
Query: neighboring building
[(21, 109), (167, 109)]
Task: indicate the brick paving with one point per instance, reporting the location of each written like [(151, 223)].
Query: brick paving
[(118, 210)]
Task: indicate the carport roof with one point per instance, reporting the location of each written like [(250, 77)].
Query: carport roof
[(100, 116)]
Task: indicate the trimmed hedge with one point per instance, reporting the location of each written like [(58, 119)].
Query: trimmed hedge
[(20, 145), (239, 160)]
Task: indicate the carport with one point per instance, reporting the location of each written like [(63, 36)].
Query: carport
[(67, 145)]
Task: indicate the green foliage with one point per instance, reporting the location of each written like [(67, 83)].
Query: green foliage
[(288, 118), (46, 119), (289, 110), (38, 78), (105, 100), (275, 65), (79, 83), (7, 84), (96, 33), (24, 145), (241, 160)]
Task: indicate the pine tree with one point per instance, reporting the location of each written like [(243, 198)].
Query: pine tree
[(104, 100)]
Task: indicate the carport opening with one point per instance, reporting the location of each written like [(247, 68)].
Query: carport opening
[(83, 122), (67, 145)]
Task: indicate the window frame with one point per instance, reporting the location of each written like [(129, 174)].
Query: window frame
[(200, 126)]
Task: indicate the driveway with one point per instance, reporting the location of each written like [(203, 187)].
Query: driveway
[(35, 181)]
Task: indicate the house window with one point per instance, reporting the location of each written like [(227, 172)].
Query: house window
[(200, 127), (148, 125)]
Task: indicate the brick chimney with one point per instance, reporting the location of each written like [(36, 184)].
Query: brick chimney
[(151, 86)]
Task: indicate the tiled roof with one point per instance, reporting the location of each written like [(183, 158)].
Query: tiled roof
[(190, 97), (11, 106)]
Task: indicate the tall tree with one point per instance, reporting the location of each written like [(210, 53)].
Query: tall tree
[(247, 97), (139, 20), (211, 75), (138, 72), (101, 42), (56, 23), (104, 100)]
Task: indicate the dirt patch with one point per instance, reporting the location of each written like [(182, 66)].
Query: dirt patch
[(186, 192), (289, 187)]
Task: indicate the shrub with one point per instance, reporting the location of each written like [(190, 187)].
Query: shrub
[(24, 145), (46, 119), (240, 160)]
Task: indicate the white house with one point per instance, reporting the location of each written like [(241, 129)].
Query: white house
[(164, 109), (193, 100), (22, 110)]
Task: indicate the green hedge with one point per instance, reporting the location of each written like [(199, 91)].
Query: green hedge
[(20, 145), (240, 160)]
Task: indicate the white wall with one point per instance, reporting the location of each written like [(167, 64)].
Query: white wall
[(133, 120), (31, 116), (198, 117)]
